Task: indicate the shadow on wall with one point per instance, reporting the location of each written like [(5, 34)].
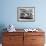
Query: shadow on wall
[(2, 26)]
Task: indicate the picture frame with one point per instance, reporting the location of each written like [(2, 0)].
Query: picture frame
[(26, 14)]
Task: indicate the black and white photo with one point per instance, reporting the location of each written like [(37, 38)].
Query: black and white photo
[(26, 14)]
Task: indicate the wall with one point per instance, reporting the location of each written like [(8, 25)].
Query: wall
[(8, 13)]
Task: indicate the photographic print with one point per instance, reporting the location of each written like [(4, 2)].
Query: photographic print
[(26, 14)]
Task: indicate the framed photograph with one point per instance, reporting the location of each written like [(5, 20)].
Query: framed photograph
[(26, 14)]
